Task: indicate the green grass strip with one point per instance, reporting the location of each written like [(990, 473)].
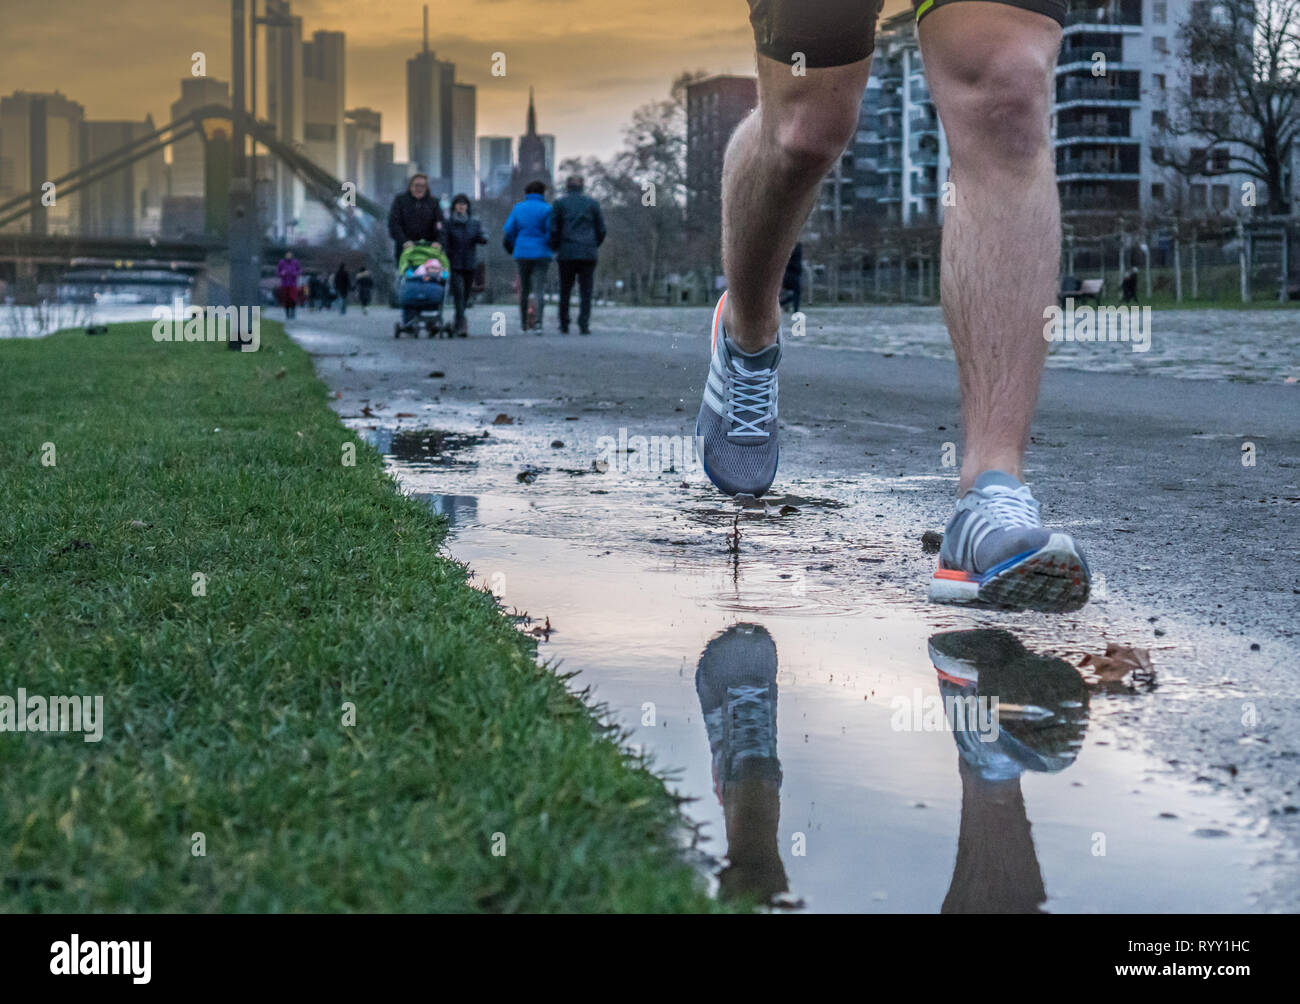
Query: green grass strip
[(224, 712)]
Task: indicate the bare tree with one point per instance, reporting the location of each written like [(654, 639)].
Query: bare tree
[(642, 189), (1243, 60)]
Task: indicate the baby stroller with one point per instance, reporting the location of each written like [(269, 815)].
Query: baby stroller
[(422, 273)]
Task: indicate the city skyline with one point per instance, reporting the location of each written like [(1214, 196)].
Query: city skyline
[(586, 89)]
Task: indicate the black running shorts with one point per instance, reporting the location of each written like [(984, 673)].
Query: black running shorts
[(839, 32)]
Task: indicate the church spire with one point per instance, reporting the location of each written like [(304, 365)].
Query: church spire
[(532, 114)]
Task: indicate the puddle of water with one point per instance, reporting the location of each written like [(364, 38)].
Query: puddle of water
[(812, 708)]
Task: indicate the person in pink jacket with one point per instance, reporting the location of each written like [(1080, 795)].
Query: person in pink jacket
[(288, 270)]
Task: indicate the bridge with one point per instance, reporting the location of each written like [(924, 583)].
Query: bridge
[(233, 254)]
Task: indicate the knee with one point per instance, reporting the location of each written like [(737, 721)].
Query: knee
[(809, 136), (1001, 111)]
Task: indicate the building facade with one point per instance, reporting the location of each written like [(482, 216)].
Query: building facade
[(496, 166), (41, 139), (464, 125), (285, 111), (714, 107), (128, 203)]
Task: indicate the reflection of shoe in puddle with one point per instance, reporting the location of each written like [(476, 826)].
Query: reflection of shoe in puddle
[(1010, 710), (736, 683)]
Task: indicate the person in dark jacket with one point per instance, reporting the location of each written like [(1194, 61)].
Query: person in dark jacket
[(1128, 287), (415, 216), (342, 286), (526, 231), (577, 230), (464, 235), (365, 287), (792, 281)]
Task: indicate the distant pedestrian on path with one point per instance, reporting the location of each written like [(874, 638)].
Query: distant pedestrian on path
[(288, 270), (342, 286), (792, 281), (577, 230), (365, 287), (1128, 287), (464, 235), (414, 216), (527, 231)]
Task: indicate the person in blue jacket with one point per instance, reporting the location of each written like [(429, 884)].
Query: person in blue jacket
[(527, 232)]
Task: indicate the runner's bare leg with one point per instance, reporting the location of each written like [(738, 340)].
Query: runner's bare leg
[(771, 176), (989, 68)]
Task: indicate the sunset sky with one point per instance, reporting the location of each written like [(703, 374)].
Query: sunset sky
[(591, 61)]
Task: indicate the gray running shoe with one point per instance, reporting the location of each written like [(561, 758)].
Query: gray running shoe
[(996, 552), (736, 432)]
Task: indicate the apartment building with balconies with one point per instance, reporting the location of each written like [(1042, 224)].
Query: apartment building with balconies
[(894, 168), (1118, 72)]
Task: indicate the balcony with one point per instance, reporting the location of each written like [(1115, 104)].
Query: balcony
[(920, 124), (1075, 51), (1095, 91), (1116, 14), (879, 193), (1093, 167), (925, 189), (889, 165), (923, 157), (1093, 130)]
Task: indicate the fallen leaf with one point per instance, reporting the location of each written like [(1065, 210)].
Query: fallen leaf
[(280, 375), (138, 525), (1118, 662), (503, 419), (405, 414), (367, 412)]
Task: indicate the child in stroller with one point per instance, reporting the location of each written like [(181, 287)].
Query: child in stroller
[(422, 274)]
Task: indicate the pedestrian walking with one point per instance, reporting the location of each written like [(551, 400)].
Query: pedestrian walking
[(342, 286), (415, 215), (1128, 286), (365, 288), (464, 235), (792, 281), (288, 270), (527, 233), (577, 230)]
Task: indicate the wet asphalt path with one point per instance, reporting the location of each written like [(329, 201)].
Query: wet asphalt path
[(1197, 550)]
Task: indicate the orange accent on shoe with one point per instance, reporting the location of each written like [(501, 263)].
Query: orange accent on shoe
[(953, 573), (717, 318)]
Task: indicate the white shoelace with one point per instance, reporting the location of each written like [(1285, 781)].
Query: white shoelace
[(1012, 507), (751, 391)]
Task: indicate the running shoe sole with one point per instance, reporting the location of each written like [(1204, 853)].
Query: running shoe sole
[(1049, 580)]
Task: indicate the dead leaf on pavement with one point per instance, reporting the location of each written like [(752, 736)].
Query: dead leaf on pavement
[(1118, 662)]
